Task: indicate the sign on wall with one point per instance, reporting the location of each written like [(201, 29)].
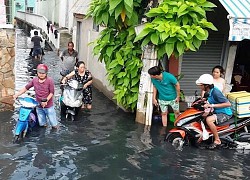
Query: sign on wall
[(239, 29)]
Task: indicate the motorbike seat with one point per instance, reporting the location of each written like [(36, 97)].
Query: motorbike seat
[(230, 121)]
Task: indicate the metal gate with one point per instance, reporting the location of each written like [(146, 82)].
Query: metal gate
[(197, 63)]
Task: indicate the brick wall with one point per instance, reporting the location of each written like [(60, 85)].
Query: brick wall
[(7, 59)]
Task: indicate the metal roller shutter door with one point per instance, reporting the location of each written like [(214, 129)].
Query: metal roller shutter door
[(197, 63)]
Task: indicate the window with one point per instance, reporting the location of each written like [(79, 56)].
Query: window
[(29, 9), (8, 11), (95, 27)]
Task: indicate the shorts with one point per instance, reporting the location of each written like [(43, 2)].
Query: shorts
[(44, 113), (221, 118), (164, 105), (37, 51)]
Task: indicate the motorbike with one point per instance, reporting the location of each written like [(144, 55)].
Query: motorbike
[(71, 99), (190, 129), (27, 117)]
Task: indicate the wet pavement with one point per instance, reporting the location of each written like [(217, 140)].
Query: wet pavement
[(104, 143)]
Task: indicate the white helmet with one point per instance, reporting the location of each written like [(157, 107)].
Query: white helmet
[(205, 79)]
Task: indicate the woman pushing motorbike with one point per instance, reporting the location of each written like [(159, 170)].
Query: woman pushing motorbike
[(82, 76), (222, 107)]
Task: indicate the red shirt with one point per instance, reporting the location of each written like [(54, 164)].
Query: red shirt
[(42, 90)]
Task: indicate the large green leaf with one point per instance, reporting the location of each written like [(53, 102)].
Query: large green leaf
[(135, 80), (113, 4), (113, 64), (164, 36), (109, 51), (182, 10), (145, 41), (105, 17), (154, 12), (160, 51), (200, 11), (169, 48), (121, 74), (180, 47), (118, 10), (142, 34), (129, 3), (197, 42), (154, 38), (208, 5), (133, 20), (135, 89), (126, 82)]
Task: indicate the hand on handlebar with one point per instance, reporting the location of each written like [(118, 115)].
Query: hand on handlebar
[(43, 104)]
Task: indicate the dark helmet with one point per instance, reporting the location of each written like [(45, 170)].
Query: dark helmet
[(42, 68)]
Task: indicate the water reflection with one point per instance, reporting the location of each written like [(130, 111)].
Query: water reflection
[(105, 143)]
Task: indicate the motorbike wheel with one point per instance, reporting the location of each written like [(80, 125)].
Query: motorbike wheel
[(176, 140)]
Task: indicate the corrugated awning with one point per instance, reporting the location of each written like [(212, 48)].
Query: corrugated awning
[(239, 18)]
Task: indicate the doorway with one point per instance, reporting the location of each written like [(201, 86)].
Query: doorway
[(241, 70), (78, 36)]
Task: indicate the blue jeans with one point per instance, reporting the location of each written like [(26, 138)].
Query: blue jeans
[(50, 113)]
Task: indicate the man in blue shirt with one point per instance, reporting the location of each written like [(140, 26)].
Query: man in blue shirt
[(216, 100), (167, 89)]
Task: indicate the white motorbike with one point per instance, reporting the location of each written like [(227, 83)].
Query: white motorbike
[(71, 99)]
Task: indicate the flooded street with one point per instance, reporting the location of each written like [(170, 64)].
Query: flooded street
[(104, 143)]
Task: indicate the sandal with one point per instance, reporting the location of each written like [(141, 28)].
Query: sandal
[(214, 146)]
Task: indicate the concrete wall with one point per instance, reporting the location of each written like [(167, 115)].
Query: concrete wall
[(55, 11), (97, 68), (7, 58), (42, 8)]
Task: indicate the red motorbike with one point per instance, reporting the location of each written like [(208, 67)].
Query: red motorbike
[(190, 130)]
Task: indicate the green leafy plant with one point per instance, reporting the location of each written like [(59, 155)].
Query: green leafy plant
[(177, 26), (182, 95), (116, 46)]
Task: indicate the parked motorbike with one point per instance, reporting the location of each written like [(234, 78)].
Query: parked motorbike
[(71, 99), (27, 117), (190, 129)]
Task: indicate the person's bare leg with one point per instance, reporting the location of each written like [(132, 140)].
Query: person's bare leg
[(176, 114), (164, 118), (210, 122), (89, 106)]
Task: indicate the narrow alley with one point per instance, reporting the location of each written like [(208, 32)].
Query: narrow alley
[(104, 143)]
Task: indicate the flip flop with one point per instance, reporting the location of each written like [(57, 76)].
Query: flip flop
[(214, 146)]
